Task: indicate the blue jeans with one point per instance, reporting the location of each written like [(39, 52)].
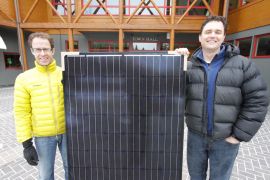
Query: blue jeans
[(220, 153), (46, 149)]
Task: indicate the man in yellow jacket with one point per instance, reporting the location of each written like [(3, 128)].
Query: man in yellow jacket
[(39, 108)]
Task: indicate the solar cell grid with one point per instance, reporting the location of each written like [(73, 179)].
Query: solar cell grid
[(124, 116)]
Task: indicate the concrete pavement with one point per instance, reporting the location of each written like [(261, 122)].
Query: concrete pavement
[(252, 163)]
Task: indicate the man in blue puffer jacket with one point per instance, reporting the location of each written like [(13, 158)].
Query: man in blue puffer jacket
[(226, 103)]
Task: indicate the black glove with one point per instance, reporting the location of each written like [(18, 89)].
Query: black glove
[(30, 153)]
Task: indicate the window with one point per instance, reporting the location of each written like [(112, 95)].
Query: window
[(244, 46), (192, 46), (234, 4), (95, 7), (165, 46), (103, 46), (199, 9), (61, 6), (12, 60), (262, 46), (145, 46), (75, 45), (230, 41), (244, 2), (147, 7)]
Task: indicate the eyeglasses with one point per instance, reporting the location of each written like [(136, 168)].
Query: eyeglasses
[(39, 50)]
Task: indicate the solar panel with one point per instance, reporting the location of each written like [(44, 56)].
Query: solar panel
[(124, 116)]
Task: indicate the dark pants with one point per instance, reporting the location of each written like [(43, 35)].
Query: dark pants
[(220, 153)]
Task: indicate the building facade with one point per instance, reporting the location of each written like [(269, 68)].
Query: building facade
[(127, 26)]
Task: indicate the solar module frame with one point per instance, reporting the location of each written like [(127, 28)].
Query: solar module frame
[(124, 116)]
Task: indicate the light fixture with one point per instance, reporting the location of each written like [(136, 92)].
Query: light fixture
[(2, 44)]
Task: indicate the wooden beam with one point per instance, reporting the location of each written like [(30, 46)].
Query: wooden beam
[(82, 11), (134, 12), (107, 11), (4, 14), (109, 27), (8, 24), (103, 26), (97, 9), (70, 40), (121, 32), (33, 25), (25, 62), (160, 13), (20, 36), (69, 11), (50, 4), (225, 8), (30, 11), (70, 31), (121, 40), (185, 13), (146, 4), (121, 13), (208, 7), (172, 35), (173, 12)]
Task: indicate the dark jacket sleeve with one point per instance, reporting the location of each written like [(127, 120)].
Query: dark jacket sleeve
[(255, 103)]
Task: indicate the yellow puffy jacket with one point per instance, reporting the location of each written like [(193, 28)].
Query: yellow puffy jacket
[(39, 102)]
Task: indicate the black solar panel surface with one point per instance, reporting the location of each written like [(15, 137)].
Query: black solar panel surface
[(124, 116)]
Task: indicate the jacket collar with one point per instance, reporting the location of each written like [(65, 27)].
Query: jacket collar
[(230, 50), (49, 68), (218, 56)]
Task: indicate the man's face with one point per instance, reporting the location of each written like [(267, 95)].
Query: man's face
[(212, 36), (41, 49)]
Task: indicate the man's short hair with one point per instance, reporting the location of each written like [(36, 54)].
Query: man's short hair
[(215, 18), (41, 35)]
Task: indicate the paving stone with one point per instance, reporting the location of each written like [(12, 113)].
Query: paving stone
[(233, 178), (263, 170), (255, 163), (266, 176), (259, 178), (252, 162), (247, 174), (262, 162)]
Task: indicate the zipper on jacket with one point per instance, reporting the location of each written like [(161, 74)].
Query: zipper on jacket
[(211, 122), (204, 127), (58, 90), (205, 89), (224, 62), (52, 100)]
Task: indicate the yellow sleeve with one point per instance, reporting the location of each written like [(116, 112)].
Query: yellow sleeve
[(22, 110)]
